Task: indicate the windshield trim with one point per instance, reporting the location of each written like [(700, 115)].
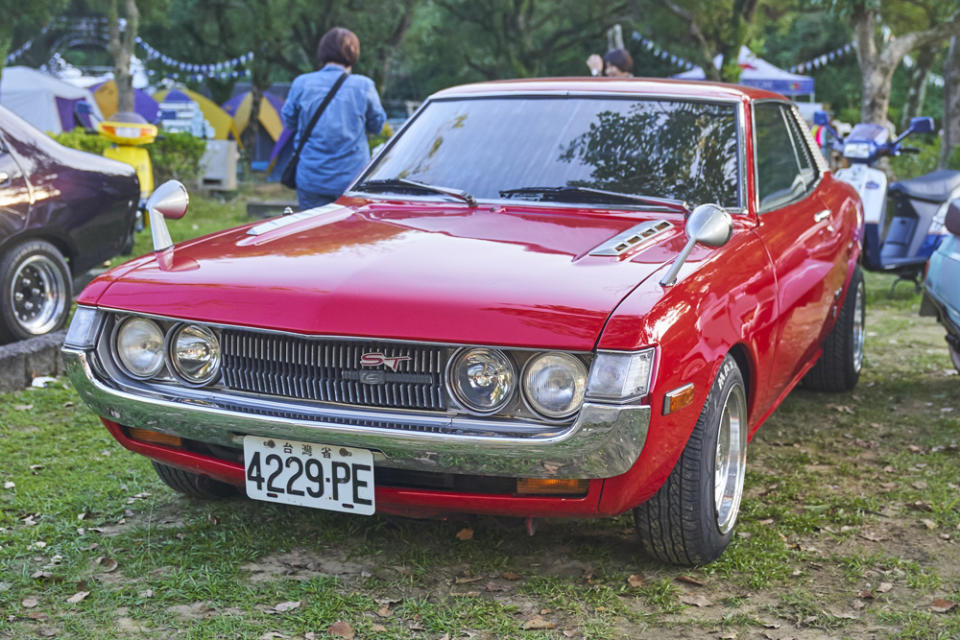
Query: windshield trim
[(739, 114)]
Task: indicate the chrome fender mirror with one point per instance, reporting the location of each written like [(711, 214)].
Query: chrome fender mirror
[(169, 200), (708, 224)]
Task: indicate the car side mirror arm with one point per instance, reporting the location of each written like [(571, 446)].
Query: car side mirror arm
[(708, 224), (169, 200)]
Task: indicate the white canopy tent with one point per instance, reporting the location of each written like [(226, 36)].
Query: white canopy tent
[(42, 100), (757, 72)]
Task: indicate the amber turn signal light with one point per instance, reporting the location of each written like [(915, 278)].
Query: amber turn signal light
[(154, 437), (552, 487), (678, 399)]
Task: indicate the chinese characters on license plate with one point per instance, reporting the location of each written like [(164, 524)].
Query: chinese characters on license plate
[(309, 475)]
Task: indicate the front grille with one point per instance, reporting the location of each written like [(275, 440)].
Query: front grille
[(329, 370)]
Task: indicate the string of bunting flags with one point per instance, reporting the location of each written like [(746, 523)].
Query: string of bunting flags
[(223, 70), (821, 60), (662, 53), (22, 49)]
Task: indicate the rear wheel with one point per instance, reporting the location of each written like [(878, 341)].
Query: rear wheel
[(193, 484), (955, 357), (690, 520), (838, 368), (36, 290)]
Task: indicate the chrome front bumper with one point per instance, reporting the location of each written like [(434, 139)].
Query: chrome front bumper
[(605, 440)]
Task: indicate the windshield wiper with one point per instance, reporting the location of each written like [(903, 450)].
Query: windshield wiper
[(403, 183), (555, 192)]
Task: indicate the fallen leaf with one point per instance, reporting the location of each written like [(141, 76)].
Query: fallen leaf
[(384, 611), (884, 587), (286, 606), (635, 581), (40, 544), (841, 408), (919, 485), (47, 632), (912, 448), (493, 586), (41, 575), (940, 605), (510, 575), (378, 628), (38, 615), (465, 594), (29, 603), (872, 537), (695, 600), (107, 565), (272, 635), (867, 595), (537, 623), (146, 594), (569, 633), (467, 579), (465, 534), (78, 597), (766, 521), (341, 629), (929, 524), (729, 635), (920, 505)]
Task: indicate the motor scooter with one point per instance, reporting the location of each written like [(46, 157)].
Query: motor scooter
[(915, 229), (129, 132), (941, 295)]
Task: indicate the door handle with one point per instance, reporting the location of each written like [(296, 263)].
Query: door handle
[(821, 216)]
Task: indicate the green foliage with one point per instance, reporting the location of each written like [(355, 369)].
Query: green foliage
[(380, 138), (176, 156), (80, 139), (173, 155)]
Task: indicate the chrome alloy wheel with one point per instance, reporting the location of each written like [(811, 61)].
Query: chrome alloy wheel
[(731, 459), (38, 294), (859, 330)]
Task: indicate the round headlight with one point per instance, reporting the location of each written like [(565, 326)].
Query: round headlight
[(483, 380), (140, 347), (554, 384), (195, 354)]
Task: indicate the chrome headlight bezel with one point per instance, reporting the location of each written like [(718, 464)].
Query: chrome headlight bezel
[(174, 363), (124, 362), (578, 371), (456, 393), (621, 376)]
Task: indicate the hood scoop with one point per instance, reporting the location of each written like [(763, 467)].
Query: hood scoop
[(632, 238)]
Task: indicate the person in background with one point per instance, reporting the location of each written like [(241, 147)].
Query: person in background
[(336, 149), (617, 63)]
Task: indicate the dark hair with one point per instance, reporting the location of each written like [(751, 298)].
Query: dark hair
[(339, 45), (619, 58)]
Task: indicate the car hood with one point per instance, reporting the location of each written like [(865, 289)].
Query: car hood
[(514, 277)]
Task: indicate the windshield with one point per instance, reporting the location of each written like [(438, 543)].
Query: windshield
[(665, 148)]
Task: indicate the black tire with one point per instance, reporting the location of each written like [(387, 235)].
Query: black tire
[(838, 368), (954, 357), (35, 290), (193, 484), (682, 523)]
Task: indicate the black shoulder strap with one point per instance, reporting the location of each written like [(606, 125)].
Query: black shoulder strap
[(319, 112)]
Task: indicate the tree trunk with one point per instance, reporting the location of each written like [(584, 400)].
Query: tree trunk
[(259, 83), (386, 50), (121, 48), (951, 102), (919, 76)]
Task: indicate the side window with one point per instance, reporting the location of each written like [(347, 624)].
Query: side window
[(780, 162)]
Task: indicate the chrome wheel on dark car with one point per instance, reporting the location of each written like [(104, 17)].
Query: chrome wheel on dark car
[(37, 291)]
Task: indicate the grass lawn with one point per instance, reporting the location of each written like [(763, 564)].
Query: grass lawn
[(849, 529)]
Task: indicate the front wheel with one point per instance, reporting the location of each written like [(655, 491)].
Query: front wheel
[(36, 288), (193, 485), (691, 518)]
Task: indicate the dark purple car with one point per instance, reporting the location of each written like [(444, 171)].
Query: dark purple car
[(62, 212)]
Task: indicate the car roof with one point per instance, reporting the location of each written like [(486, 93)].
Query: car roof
[(649, 86)]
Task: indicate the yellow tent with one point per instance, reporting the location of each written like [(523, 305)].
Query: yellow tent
[(106, 96), (223, 125), (269, 116)]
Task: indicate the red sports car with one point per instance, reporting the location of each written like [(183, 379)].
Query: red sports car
[(542, 298)]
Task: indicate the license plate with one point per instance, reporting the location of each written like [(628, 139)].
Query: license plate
[(309, 475)]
